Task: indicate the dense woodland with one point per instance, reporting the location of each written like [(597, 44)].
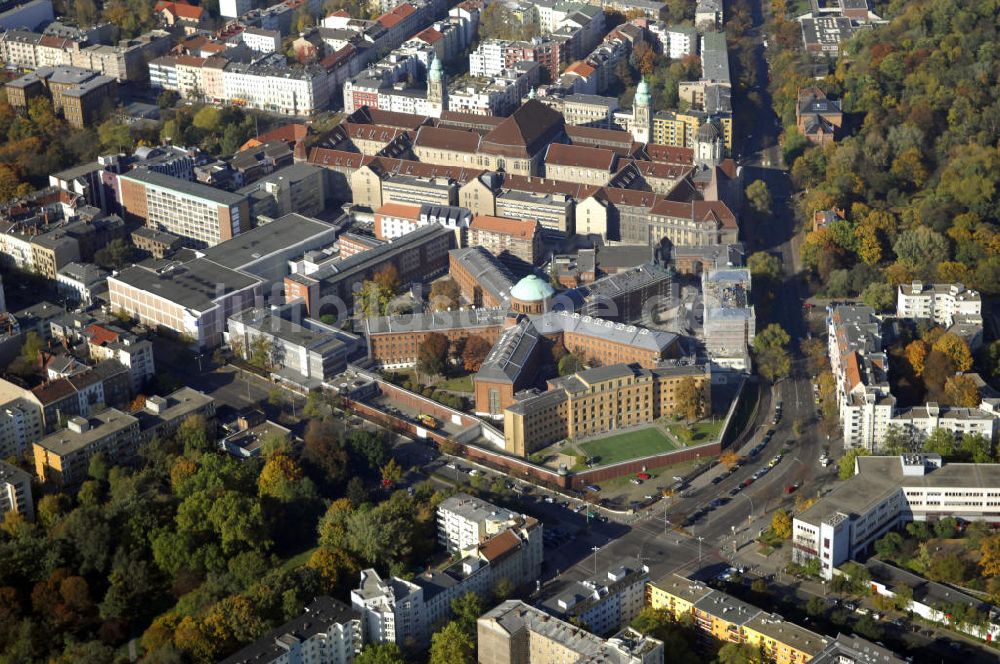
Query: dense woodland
[(193, 552), (918, 170)]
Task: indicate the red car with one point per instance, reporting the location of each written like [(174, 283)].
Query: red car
[(747, 482), (644, 476)]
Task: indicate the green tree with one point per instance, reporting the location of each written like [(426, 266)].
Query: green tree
[(759, 197), (770, 349), (765, 264), (392, 473), (921, 249), (845, 465), (115, 255), (569, 364), (976, 448), (452, 645), (941, 441), (208, 119), (880, 296), (897, 440), (380, 653), (32, 346), (890, 546), (466, 610), (115, 136), (370, 448), (738, 653)]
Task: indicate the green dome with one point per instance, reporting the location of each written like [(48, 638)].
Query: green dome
[(532, 289), (642, 96)]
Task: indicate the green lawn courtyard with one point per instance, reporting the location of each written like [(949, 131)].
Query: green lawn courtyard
[(697, 433), (630, 445)]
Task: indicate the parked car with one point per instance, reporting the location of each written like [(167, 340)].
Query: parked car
[(716, 480), (644, 476), (594, 488)]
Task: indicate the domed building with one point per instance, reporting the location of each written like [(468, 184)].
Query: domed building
[(531, 295)]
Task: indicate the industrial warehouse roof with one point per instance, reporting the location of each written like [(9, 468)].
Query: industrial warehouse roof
[(258, 243)]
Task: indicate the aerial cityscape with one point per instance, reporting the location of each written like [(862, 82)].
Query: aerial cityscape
[(499, 332)]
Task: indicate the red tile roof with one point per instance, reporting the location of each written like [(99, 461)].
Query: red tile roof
[(500, 546), (335, 158), (180, 10), (581, 156), (430, 36), (100, 335), (456, 140), (401, 210), (524, 229), (395, 15), (669, 154), (580, 69)]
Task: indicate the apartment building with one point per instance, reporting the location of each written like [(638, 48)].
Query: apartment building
[(515, 633), (405, 612), (328, 632), (133, 353), (15, 492), (203, 215), (465, 522), (518, 239), (21, 421), (605, 602), (861, 368), (942, 303), (62, 458), (304, 351), (158, 244), (160, 417), (729, 318), (728, 619), (884, 494), (192, 300), (106, 384), (84, 96), (80, 282), (597, 401)]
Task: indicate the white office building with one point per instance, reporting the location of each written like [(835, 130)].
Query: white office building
[(945, 304), (886, 493), (464, 521)]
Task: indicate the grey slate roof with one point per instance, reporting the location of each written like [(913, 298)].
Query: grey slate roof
[(507, 360), (488, 272)]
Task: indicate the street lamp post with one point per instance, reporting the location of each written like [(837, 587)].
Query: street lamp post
[(595, 549), (700, 540)]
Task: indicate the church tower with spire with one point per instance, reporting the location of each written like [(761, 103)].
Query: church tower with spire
[(437, 90), (642, 122)]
